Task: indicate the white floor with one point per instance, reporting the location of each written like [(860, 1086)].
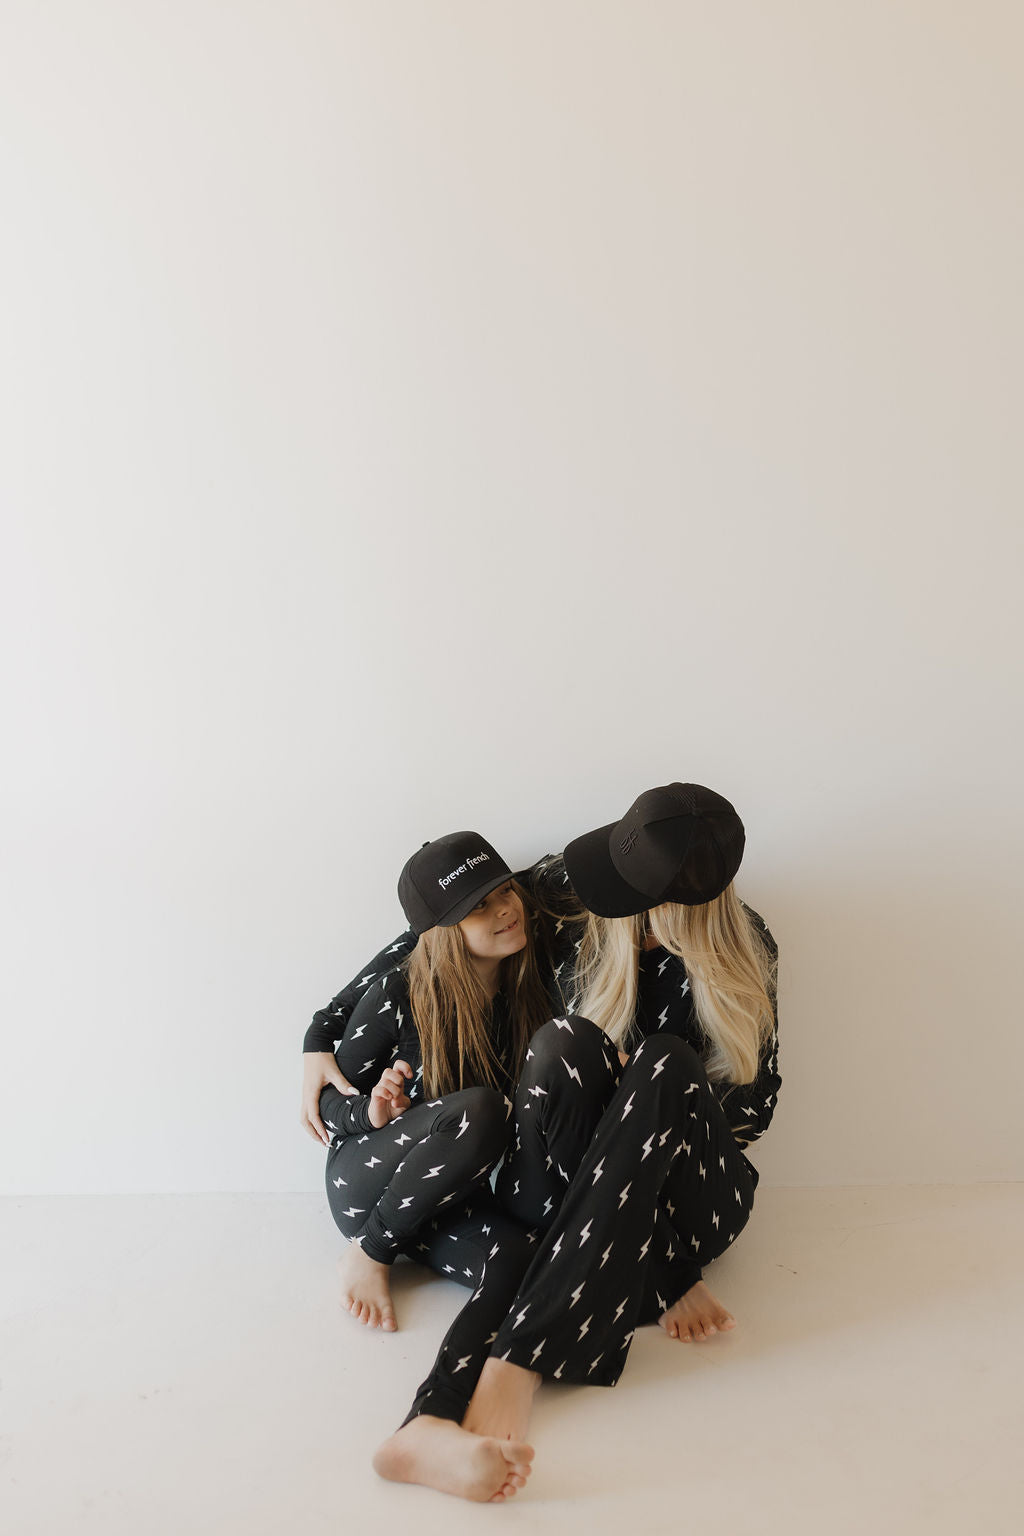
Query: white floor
[(181, 1364)]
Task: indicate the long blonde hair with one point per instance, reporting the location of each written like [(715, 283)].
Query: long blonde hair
[(731, 973), (452, 1011)]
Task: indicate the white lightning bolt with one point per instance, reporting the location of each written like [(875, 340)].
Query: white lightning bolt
[(648, 1144), (714, 1218), (620, 1309), (577, 1293), (521, 1315), (585, 1327), (538, 1092), (663, 964), (562, 1024), (598, 1171), (365, 979), (372, 1163), (463, 1125), (659, 1066), (629, 1106), (463, 1362), (585, 1231), (595, 1362), (662, 1016), (400, 1141), (537, 1351), (406, 1202), (354, 1210), (604, 1256), (556, 1250), (434, 1171), (623, 1194), (339, 1182), (573, 1072), (643, 1251)]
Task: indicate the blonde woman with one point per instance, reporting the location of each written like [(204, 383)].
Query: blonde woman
[(630, 1129)]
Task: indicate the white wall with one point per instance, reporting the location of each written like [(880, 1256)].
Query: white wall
[(454, 414)]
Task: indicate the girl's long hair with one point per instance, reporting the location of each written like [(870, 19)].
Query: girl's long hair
[(452, 1012), (732, 977)]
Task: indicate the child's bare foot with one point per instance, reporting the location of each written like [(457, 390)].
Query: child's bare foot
[(501, 1403), (697, 1315), (438, 1454), (366, 1289)]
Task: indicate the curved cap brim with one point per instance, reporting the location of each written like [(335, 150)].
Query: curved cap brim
[(596, 881), (474, 898)]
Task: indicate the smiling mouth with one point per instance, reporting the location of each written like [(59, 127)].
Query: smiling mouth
[(512, 924)]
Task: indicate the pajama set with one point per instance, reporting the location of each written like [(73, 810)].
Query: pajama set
[(619, 1183), (420, 1185)]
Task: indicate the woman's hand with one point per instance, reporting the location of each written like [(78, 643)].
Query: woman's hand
[(388, 1100), (318, 1069)]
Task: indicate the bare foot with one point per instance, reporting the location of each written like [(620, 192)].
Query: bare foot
[(501, 1403), (697, 1315), (366, 1289), (438, 1454)]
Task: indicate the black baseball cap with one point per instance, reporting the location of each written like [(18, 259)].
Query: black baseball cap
[(444, 880), (679, 842)]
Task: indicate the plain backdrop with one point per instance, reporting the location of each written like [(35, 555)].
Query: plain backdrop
[(453, 414)]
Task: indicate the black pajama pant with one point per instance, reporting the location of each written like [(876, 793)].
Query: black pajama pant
[(638, 1180), (420, 1186), (620, 1184)]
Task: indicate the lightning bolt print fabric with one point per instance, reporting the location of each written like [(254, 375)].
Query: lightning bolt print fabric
[(628, 1233), (617, 1184)]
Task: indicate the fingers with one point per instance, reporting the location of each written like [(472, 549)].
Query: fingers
[(391, 1091), (314, 1126), (392, 1078), (403, 1067), (339, 1080)]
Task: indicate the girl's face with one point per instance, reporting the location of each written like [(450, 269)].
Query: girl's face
[(496, 927)]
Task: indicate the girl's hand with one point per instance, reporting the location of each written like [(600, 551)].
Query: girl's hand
[(388, 1100), (318, 1069)]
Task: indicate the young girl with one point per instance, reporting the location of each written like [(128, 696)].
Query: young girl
[(634, 1164), (416, 1116)]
